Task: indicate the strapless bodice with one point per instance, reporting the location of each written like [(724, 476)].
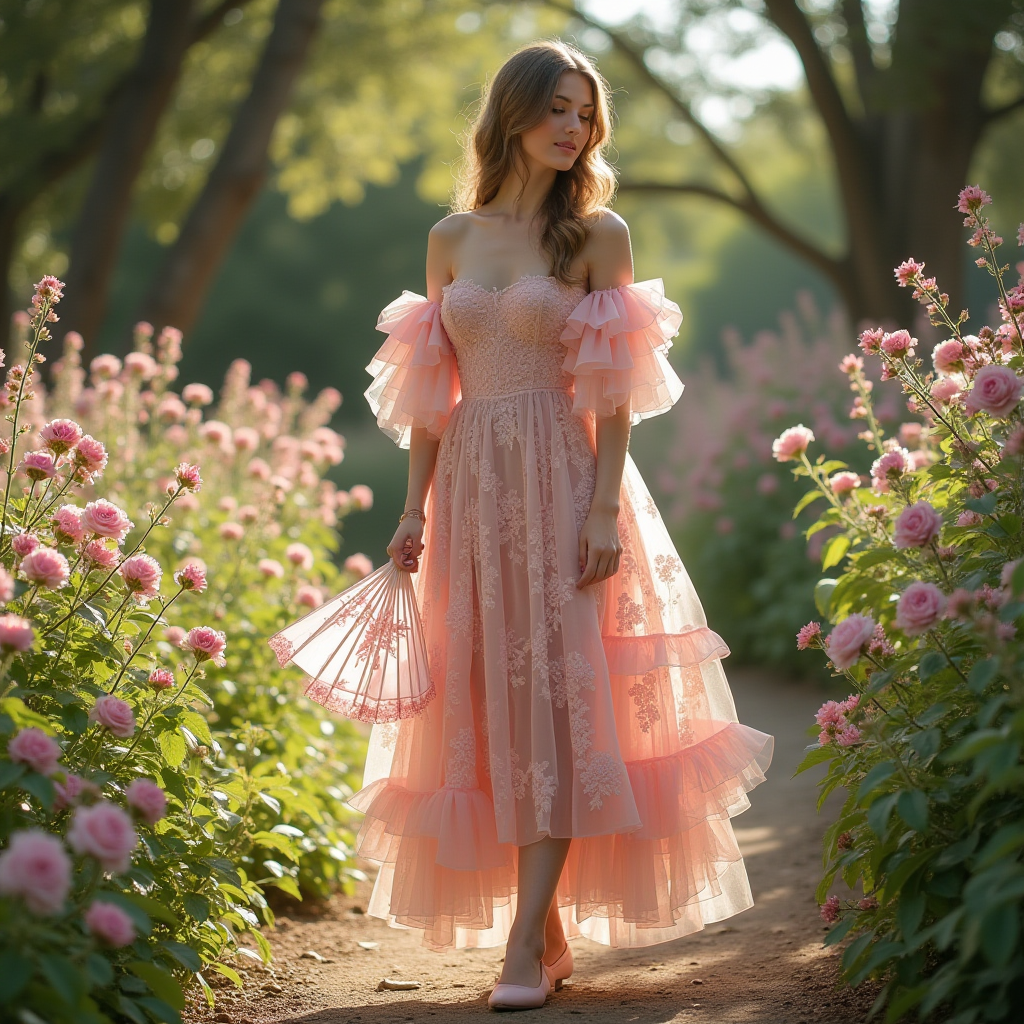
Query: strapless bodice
[(508, 339)]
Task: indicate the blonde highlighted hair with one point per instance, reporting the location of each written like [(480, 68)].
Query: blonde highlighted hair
[(517, 99)]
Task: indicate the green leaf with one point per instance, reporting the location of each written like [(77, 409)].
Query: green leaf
[(823, 595), (910, 912), (835, 551), (172, 746), (931, 664), (185, 955), (875, 556), (985, 505), (1017, 580), (153, 907), (1000, 930), (276, 842), (912, 807), (288, 885), (807, 499), (261, 941), (197, 907), (160, 982), (100, 970), (841, 930), (229, 973), (10, 773), (15, 973), (198, 725), (879, 812), (92, 614), (160, 1010), (40, 787), (874, 778), (982, 674), (64, 977), (815, 755), (926, 744)]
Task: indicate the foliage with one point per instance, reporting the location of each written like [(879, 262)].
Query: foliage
[(111, 705), (731, 511), (928, 609)]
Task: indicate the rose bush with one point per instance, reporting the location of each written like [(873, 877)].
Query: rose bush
[(157, 779), (928, 610)]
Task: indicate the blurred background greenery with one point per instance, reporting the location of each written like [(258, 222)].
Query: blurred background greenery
[(263, 173)]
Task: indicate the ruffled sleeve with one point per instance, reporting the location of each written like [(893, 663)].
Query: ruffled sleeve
[(617, 340), (415, 375)]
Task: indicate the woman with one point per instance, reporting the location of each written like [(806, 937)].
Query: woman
[(578, 768)]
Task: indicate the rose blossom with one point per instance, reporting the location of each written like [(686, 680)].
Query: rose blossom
[(920, 606), (948, 356), (109, 924), (848, 736), (907, 271), (997, 390), (104, 367), (40, 465), (142, 575), (174, 635), (67, 524), (60, 436), (897, 345), (843, 483), (362, 496), (309, 596), (140, 365), (197, 394), (830, 910), (851, 363), (16, 633), (191, 576), (70, 791), (807, 635), (115, 714), (36, 868), (968, 518), (232, 531), (227, 504), (188, 477), (258, 469), (790, 444), (147, 800), (299, 555), (271, 568), (917, 526), (215, 432), (105, 519), (98, 555), (46, 567), (247, 439), (33, 747), (359, 564), (848, 639), (91, 456), (171, 409), (205, 644), (105, 832), (248, 514), (6, 585), (161, 679), (23, 544), (893, 463), (972, 198)]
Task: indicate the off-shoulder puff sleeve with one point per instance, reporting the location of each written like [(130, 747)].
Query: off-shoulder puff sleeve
[(415, 376), (617, 340)]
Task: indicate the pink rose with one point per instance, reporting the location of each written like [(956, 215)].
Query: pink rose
[(968, 518), (91, 456), (41, 465), (142, 575), (359, 564), (191, 576), (98, 555), (188, 476), (907, 271), (807, 635), (67, 525), (897, 345), (309, 596), (33, 747), (843, 483), (60, 436), (972, 198), (105, 832), (171, 409), (847, 640), (258, 469), (110, 924), (69, 792), (890, 466), (161, 678), (299, 555), (789, 445), (24, 543), (997, 390), (46, 567), (830, 910), (851, 363), (216, 432), (147, 799), (920, 606), (362, 496), (231, 531), (248, 514), (36, 868), (197, 394), (16, 633), (205, 644), (948, 356), (945, 389), (174, 635), (6, 586), (270, 568), (113, 713), (105, 519), (247, 439), (140, 365), (104, 367), (917, 526)]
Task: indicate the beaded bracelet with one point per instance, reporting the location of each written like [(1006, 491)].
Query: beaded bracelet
[(416, 513)]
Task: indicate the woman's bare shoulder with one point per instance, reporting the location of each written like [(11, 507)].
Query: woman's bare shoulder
[(451, 228), (606, 226)]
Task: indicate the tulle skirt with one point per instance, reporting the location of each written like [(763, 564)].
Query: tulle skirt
[(601, 714)]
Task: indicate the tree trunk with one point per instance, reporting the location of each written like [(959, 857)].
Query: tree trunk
[(129, 133), (180, 286)]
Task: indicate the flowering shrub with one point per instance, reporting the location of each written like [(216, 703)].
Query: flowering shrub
[(927, 612), (731, 510), (156, 779)]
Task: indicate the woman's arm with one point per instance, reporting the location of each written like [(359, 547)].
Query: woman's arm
[(610, 265), (407, 543)]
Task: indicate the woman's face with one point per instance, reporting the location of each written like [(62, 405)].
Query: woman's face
[(560, 138)]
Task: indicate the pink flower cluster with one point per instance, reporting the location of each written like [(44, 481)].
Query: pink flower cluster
[(846, 642), (917, 526), (114, 714), (205, 644), (919, 608), (36, 868), (833, 720), (792, 443), (105, 832), (34, 748)]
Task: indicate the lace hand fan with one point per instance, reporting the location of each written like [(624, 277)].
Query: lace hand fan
[(363, 650)]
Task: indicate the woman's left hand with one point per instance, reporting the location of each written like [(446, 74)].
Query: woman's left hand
[(599, 548)]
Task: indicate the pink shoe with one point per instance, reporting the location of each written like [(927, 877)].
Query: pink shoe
[(561, 969), (521, 997)]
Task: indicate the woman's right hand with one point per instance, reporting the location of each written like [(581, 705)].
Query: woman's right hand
[(407, 544)]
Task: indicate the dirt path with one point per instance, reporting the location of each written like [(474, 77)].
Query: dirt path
[(765, 966)]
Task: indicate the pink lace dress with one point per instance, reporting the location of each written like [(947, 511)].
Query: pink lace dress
[(600, 714)]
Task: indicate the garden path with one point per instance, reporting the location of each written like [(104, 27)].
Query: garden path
[(765, 966)]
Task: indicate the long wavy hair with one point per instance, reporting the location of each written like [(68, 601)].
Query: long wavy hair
[(519, 98)]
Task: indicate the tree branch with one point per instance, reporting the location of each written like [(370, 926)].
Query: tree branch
[(857, 40), (832, 267), (208, 23)]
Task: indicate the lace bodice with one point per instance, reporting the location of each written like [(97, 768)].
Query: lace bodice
[(508, 339)]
